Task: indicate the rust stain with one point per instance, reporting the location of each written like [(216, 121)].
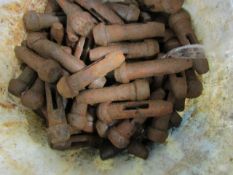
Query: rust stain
[(7, 105), (14, 7), (15, 165), (10, 124)]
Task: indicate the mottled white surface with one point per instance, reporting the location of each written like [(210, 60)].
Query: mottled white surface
[(202, 145)]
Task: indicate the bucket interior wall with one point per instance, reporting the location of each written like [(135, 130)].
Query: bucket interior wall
[(202, 145)]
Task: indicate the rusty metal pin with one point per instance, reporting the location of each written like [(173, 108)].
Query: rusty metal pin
[(99, 83), (169, 34), (138, 149), (79, 48), (102, 128), (137, 90), (146, 48), (180, 22), (156, 135), (79, 118), (178, 84), (37, 21), (52, 6), (78, 20), (24, 81), (70, 86), (171, 44), (57, 32), (78, 141), (161, 123), (49, 49), (168, 6), (145, 17), (195, 86), (157, 82), (105, 34), (34, 97), (158, 94), (129, 12), (47, 69), (67, 49), (58, 129), (96, 7), (107, 112), (121, 134), (108, 151), (175, 120), (179, 104), (131, 71)]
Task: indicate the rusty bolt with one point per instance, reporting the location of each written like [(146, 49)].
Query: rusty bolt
[(48, 70), (34, 97), (107, 112), (137, 90), (70, 86), (105, 34), (24, 81), (100, 10), (131, 71), (129, 13), (146, 48)]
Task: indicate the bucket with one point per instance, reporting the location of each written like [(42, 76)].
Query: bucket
[(203, 144)]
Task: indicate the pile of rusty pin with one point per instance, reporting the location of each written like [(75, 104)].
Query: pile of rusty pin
[(96, 73)]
